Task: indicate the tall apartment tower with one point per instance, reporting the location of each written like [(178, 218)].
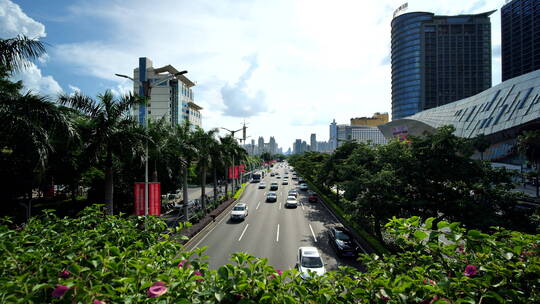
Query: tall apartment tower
[(520, 38), (171, 99), (313, 142), (260, 145), (272, 144), (333, 135), (438, 59)]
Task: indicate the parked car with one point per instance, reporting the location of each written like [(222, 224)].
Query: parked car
[(309, 262), (271, 197), (239, 212), (303, 187), (313, 198), (343, 242), (291, 202), (274, 186), (262, 185)]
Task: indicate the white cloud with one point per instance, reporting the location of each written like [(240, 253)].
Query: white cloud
[(13, 21), (34, 81), (238, 103), (315, 61)]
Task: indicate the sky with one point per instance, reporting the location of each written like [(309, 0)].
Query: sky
[(285, 67)]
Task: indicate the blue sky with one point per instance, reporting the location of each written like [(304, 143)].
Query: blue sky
[(285, 67)]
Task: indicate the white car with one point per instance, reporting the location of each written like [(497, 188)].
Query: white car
[(303, 187), (291, 202), (239, 212), (309, 262), (285, 182), (262, 186)]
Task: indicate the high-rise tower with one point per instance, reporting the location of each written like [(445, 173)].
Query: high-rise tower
[(438, 59)]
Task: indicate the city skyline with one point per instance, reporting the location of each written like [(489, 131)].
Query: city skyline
[(233, 54)]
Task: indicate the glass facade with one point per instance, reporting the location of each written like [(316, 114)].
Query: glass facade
[(520, 38), (438, 59)]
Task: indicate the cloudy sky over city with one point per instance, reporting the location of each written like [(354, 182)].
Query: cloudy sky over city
[(285, 67)]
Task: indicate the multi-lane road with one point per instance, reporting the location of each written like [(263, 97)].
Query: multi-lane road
[(271, 230)]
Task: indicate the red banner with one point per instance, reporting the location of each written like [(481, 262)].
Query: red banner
[(242, 168), (154, 198)]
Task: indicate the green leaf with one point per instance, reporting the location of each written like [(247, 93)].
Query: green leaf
[(39, 286), (494, 295), (429, 222), (442, 224), (474, 234), (420, 235), (223, 273), (219, 296)]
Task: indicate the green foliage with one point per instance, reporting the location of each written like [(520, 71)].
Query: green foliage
[(429, 176), (117, 259), (240, 191)]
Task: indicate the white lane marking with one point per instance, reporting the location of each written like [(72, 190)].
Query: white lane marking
[(279, 206), (302, 205), (258, 206), (312, 233), (243, 232), (277, 234)]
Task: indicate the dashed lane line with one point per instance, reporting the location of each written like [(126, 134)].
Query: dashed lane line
[(258, 206), (314, 238), (277, 234), (245, 228)]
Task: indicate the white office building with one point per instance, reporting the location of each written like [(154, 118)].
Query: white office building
[(172, 99)]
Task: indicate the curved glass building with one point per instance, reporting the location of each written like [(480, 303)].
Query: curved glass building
[(501, 113), (438, 59)]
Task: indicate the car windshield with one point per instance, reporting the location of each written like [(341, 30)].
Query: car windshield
[(312, 262), (291, 198), (340, 235), (239, 208)]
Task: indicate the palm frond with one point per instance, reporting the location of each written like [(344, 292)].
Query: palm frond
[(15, 53)]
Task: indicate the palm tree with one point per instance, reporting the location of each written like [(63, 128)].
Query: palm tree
[(158, 131), (15, 52), (29, 123), (217, 160), (181, 146), (112, 131), (226, 144), (203, 142)]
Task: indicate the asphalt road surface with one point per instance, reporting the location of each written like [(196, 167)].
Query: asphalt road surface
[(271, 230)]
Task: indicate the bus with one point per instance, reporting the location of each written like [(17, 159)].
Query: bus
[(255, 177)]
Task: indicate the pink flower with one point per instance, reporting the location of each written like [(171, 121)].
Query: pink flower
[(64, 274), (59, 291), (98, 302), (181, 264), (197, 273), (157, 289), (431, 282), (470, 271), (279, 271)]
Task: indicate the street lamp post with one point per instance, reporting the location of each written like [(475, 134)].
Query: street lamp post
[(147, 90)]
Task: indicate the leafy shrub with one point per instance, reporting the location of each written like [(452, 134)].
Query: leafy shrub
[(98, 258)]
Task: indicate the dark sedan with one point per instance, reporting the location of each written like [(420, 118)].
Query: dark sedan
[(343, 242)]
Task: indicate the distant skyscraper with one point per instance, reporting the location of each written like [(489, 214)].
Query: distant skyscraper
[(272, 145), (313, 142), (297, 146), (520, 38), (333, 135), (260, 145), (438, 59)]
